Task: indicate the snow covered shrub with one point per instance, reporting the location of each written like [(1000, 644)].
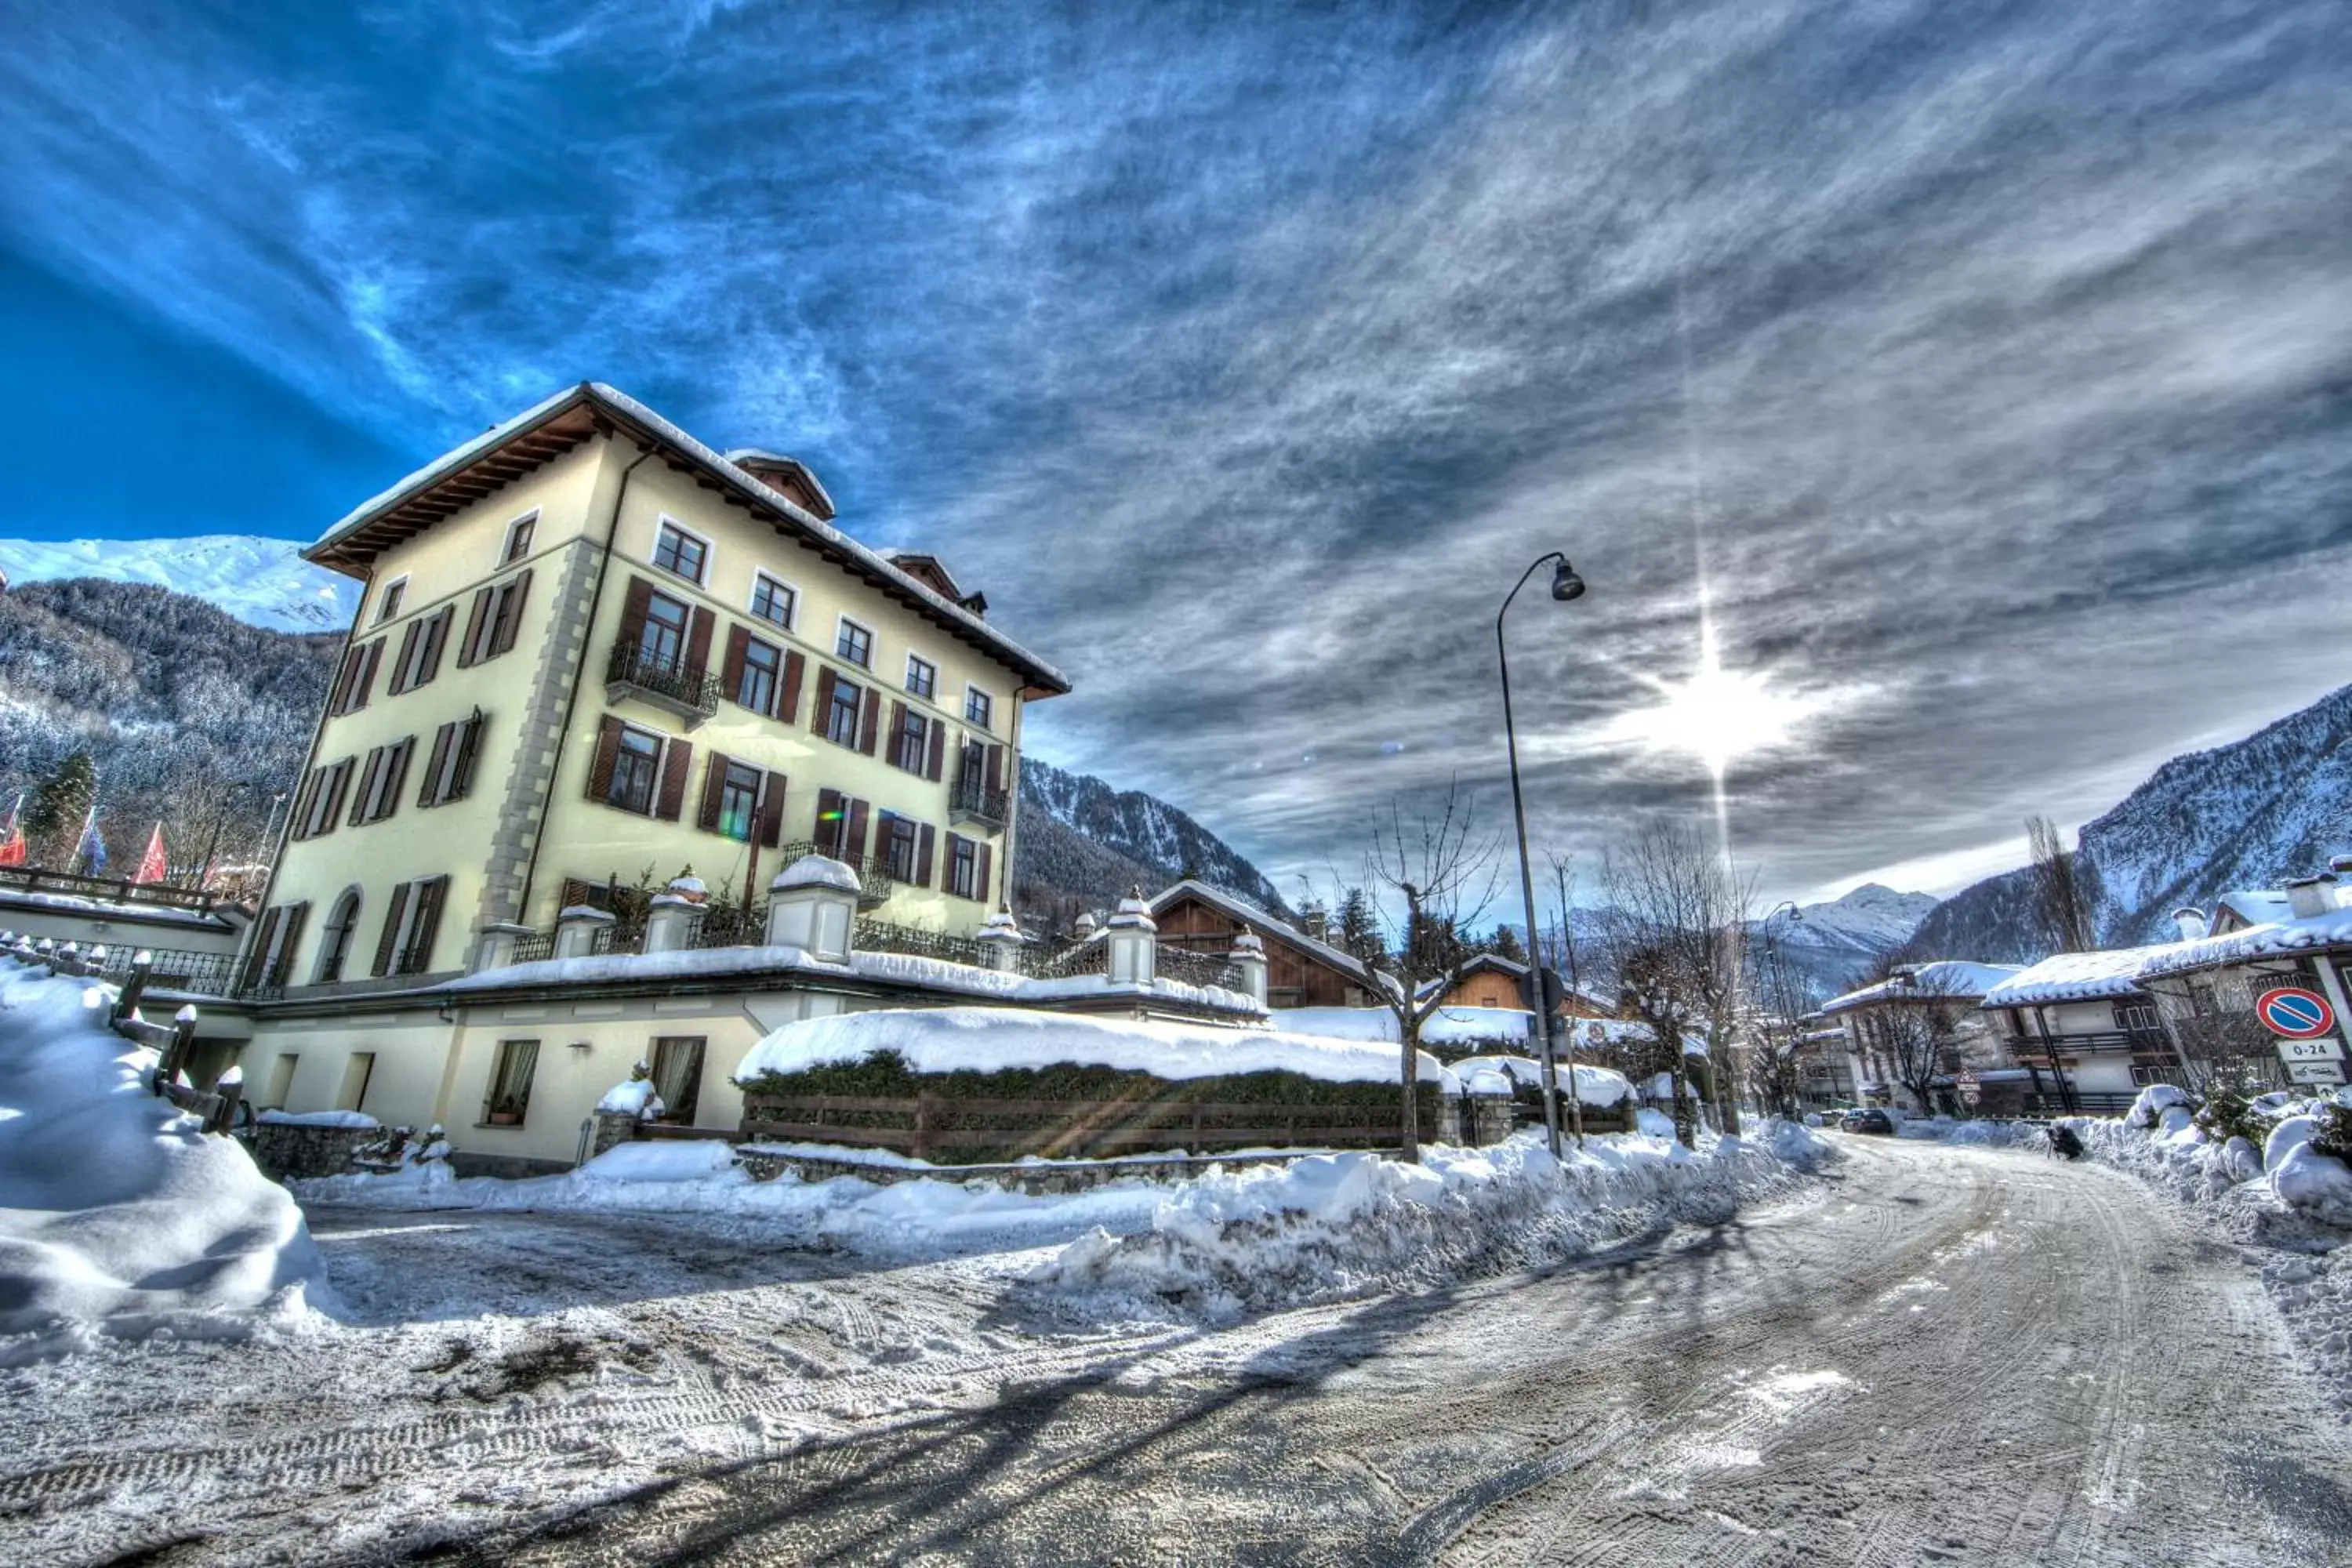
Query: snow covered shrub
[(2229, 1114), (2147, 1113), (2331, 1132)]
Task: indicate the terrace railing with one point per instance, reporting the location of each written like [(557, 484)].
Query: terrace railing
[(1197, 968), (672, 685)]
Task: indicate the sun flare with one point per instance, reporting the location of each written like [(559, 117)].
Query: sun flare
[(1719, 716)]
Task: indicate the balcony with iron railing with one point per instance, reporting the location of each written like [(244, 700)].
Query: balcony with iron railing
[(2091, 1042), (672, 685), (975, 803)]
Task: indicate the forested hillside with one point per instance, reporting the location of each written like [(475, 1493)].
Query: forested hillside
[(189, 715), (1084, 844)]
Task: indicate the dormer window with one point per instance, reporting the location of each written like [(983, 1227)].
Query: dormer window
[(681, 552)]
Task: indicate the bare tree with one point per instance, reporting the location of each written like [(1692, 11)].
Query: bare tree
[(1676, 922), (1775, 1035), (1431, 873), (2061, 896), (1910, 1039)]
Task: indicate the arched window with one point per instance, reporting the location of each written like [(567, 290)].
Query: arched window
[(337, 943)]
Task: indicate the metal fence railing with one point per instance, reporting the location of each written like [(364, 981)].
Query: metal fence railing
[(1196, 968), (882, 936)]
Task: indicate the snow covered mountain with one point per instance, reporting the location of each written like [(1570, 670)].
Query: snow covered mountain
[(1836, 941), (2272, 806), (1080, 836), (261, 581)]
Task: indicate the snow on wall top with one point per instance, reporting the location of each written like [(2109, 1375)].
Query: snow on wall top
[(992, 1039), (1594, 1086), (816, 872), (1446, 1027), (1945, 980)]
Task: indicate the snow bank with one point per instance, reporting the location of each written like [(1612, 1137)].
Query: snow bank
[(115, 1210), (992, 1039), (635, 1097), (1339, 1226), (1594, 1086), (350, 1119), (1975, 1134)]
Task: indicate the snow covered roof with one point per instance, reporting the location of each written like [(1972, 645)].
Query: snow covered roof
[(339, 546), (2250, 906), (1250, 915), (2272, 938), (2072, 977), (991, 1039), (750, 457), (1945, 980)]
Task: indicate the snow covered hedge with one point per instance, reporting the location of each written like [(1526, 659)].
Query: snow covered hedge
[(1128, 1087)]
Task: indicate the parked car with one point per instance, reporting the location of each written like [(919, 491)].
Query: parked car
[(1870, 1121)]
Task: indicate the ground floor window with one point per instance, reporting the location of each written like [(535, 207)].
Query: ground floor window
[(678, 1076), (509, 1098)]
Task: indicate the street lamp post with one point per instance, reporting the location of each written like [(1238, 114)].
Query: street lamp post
[(1566, 585)]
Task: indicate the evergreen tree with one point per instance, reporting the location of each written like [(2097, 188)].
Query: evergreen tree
[(54, 818), (1505, 944), (1359, 924)]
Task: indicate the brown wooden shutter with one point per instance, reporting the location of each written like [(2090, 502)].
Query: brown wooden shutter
[(697, 640), (390, 938), (401, 665), (367, 784), (856, 845), (366, 683), (343, 686), (418, 954), (923, 856), (443, 739), (510, 622), (897, 758), (772, 810), (787, 695), (303, 800), (980, 882), (714, 785), (289, 933), (739, 642), (335, 806), (870, 719), (470, 652), (258, 954), (633, 610), (825, 681), (830, 828), (397, 761), (677, 756), (996, 767), (469, 754), (608, 749), (939, 752), (436, 634)]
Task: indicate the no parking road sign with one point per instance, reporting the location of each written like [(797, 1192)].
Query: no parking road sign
[(2294, 1012)]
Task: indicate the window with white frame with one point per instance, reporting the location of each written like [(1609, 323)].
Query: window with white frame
[(637, 765), (519, 534), (922, 676), (389, 605), (854, 643), (772, 601), (977, 707), (841, 719), (683, 554)]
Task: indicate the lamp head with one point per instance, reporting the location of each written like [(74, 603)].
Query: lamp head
[(1565, 584)]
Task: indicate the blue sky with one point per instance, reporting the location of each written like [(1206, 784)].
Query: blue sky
[(1994, 364)]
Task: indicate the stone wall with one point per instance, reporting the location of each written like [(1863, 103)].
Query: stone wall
[(289, 1152)]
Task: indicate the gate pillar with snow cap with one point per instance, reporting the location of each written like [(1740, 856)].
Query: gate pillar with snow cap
[(577, 928), (1134, 939), (1000, 938), (675, 916), (495, 947), (812, 905), (1249, 956)]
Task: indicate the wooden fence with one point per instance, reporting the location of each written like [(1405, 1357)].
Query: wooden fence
[(171, 1042), (1064, 1129)]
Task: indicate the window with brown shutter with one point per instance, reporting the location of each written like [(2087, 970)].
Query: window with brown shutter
[(697, 640), (985, 854), (996, 767), (633, 609), (507, 618), (820, 715), (257, 955), (334, 805), (469, 756), (939, 752), (855, 842), (964, 867), (678, 757), (906, 736), (424, 924), (303, 800), (730, 673), (429, 656), (435, 762), (359, 675), (394, 775), (923, 842), (831, 823), (772, 810), (369, 775), (405, 660), (387, 942), (289, 931)]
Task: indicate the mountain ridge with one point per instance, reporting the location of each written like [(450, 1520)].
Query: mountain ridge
[(259, 580)]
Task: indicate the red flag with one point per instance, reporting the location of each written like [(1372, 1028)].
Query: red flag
[(12, 850), (151, 865)]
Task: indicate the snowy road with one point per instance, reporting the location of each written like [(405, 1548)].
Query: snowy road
[(1954, 1356)]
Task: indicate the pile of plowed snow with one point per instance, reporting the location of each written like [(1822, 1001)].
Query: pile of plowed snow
[(117, 1212)]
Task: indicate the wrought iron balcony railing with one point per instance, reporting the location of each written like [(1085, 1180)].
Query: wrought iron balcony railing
[(974, 801), (671, 685)]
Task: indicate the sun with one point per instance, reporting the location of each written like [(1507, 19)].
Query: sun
[(1719, 716)]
